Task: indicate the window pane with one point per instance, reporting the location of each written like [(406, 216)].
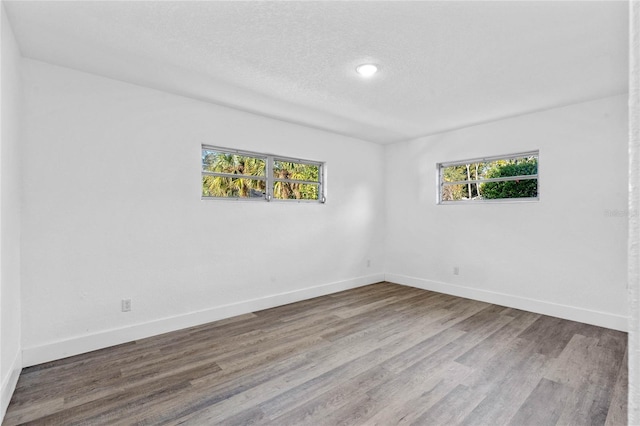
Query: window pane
[(458, 192), (464, 172), (226, 187), (295, 191), (296, 171), (522, 166), (223, 162), (454, 173), (522, 188)]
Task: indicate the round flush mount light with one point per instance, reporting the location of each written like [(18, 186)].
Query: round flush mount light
[(367, 70)]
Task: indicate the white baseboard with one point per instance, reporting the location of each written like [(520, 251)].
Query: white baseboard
[(90, 342), (64, 348), (9, 384), (573, 313)]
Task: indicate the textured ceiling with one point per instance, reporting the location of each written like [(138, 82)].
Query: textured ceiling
[(444, 64)]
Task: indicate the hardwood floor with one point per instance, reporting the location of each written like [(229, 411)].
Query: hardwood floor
[(383, 354)]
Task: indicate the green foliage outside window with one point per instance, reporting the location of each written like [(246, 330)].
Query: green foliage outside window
[(232, 187), (454, 192), (523, 188), (295, 190)]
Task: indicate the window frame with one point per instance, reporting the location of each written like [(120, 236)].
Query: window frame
[(441, 183), (269, 179)]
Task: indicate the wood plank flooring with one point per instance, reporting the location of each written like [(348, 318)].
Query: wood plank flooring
[(383, 354)]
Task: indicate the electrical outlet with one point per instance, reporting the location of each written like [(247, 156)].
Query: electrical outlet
[(126, 305), (368, 263), (456, 270)]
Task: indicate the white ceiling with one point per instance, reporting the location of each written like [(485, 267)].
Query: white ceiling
[(444, 64)]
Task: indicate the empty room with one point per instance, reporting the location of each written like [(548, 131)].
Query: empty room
[(319, 213)]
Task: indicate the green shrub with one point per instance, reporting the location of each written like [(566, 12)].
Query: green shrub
[(523, 188)]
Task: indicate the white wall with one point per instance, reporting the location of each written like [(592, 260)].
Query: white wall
[(564, 255), (112, 210), (11, 98)]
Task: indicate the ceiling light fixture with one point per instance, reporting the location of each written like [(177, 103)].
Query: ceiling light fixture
[(367, 70)]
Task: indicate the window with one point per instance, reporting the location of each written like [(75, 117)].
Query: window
[(489, 179), (231, 174), (296, 180)]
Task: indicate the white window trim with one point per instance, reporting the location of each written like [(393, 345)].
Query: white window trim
[(269, 179), (440, 182)]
